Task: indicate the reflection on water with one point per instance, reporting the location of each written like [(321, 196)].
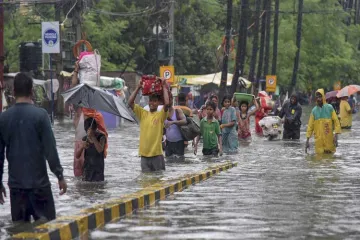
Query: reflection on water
[(122, 172), (276, 191)]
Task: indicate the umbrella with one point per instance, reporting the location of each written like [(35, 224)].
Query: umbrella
[(331, 94), (98, 99), (348, 91)]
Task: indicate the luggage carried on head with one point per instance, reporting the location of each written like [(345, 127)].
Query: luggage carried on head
[(243, 97), (89, 63), (151, 84), (265, 101)]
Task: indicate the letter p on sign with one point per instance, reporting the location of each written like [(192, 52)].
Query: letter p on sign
[(168, 73)]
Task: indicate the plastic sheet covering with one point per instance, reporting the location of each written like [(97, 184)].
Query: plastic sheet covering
[(271, 126)]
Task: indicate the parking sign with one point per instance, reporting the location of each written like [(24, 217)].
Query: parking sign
[(271, 83), (167, 72)]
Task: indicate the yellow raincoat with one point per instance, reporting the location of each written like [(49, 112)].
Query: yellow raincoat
[(322, 122)]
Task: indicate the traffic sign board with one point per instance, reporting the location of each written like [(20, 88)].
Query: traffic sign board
[(167, 72), (271, 83), (50, 37)]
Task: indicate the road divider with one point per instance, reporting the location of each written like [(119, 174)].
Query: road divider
[(69, 227)]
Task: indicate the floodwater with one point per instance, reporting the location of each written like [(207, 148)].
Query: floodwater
[(122, 173), (276, 191)]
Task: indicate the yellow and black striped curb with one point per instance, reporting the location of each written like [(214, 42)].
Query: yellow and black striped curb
[(69, 227)]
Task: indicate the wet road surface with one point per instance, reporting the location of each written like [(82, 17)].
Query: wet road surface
[(276, 191), (122, 172)]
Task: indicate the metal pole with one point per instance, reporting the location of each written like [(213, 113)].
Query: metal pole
[(276, 35), (298, 45), (157, 40), (267, 38), (2, 58), (172, 35), (224, 73), (51, 92), (262, 45), (255, 46), (241, 48)]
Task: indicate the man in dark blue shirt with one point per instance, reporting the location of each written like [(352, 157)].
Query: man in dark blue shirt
[(27, 138)]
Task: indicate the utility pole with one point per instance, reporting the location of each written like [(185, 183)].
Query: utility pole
[(171, 31), (2, 58), (267, 38), (77, 21), (156, 70), (276, 36), (59, 62), (298, 45), (262, 43), (241, 48), (224, 72), (255, 46)]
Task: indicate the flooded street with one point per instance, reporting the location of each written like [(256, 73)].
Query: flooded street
[(122, 172), (276, 191)]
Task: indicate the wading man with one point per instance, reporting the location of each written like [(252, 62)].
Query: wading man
[(323, 121), (292, 112), (151, 129), (27, 138)]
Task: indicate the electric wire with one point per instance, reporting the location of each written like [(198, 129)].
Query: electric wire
[(31, 2), (136, 14)]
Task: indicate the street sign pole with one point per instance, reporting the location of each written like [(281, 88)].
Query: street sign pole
[(51, 92), (50, 44)]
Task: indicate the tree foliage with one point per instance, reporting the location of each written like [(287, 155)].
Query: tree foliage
[(329, 48)]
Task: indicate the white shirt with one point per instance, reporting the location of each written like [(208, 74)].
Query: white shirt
[(160, 107)]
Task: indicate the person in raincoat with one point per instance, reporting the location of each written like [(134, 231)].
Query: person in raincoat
[(292, 112), (323, 120), (345, 113)]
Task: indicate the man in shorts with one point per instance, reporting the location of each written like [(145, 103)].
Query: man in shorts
[(151, 129)]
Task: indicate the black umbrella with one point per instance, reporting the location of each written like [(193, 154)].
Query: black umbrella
[(96, 98)]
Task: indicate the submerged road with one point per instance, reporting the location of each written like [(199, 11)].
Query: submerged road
[(276, 191)]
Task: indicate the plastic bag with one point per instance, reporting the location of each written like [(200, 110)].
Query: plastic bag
[(90, 66), (110, 82), (80, 131), (267, 103), (271, 126)]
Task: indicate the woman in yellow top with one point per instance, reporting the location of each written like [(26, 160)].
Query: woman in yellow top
[(345, 114), (322, 121)]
